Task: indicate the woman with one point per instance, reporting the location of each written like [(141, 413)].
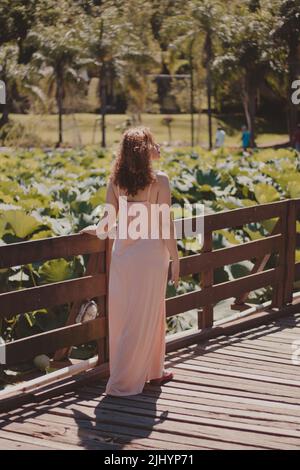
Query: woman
[(139, 266)]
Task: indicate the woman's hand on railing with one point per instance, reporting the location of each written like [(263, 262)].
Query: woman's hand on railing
[(175, 268), (90, 230)]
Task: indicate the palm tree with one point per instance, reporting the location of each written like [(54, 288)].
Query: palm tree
[(103, 39), (205, 15), (194, 31), (16, 20), (59, 58), (141, 56), (19, 79)]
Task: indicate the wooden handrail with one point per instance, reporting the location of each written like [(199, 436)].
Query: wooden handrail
[(51, 341), (49, 295), (16, 254)]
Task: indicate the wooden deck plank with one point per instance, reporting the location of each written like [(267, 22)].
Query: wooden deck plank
[(223, 364), (234, 384), (276, 344), (12, 443), (19, 434), (255, 362), (237, 433), (248, 354), (144, 427), (127, 436), (206, 401), (186, 408), (191, 388), (238, 374)]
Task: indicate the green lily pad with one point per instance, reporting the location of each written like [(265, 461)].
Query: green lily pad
[(265, 193), (56, 270), (21, 223)]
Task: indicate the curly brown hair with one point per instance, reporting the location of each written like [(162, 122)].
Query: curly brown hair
[(132, 169)]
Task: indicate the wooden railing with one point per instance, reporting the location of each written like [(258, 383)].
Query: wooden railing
[(94, 284)]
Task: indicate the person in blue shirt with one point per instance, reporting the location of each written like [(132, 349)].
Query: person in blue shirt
[(245, 138)]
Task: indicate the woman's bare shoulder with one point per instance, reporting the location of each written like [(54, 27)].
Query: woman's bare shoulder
[(162, 178), (111, 186)]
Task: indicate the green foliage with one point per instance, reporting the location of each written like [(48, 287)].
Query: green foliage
[(55, 54)]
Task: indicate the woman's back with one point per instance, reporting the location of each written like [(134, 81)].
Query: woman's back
[(149, 193), (140, 214)]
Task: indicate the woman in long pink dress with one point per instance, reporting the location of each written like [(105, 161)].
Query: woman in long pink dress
[(139, 266)]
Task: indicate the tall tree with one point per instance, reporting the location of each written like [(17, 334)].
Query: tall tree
[(141, 56), (104, 38), (193, 32), (60, 56), (20, 80), (16, 20), (246, 54)]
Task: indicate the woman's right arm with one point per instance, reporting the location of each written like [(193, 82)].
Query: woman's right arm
[(108, 219)]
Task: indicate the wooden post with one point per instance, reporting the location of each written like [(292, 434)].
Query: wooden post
[(108, 247), (94, 265), (206, 315), (290, 252), (101, 301), (259, 265), (278, 288)]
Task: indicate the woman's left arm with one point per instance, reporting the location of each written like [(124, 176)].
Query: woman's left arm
[(109, 217)]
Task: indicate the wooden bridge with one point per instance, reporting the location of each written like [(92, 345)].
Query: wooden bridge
[(236, 383)]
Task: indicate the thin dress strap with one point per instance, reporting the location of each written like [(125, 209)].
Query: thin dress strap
[(148, 194), (149, 191)]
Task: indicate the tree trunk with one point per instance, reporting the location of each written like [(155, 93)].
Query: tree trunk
[(246, 110), (208, 60), (170, 133), (292, 113), (252, 112), (5, 102), (59, 102), (209, 107), (249, 104), (103, 105), (4, 118), (199, 116), (192, 95)]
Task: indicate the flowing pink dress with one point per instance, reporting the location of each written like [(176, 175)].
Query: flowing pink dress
[(136, 316)]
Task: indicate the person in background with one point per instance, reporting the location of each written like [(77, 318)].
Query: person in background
[(296, 138), (245, 138), (220, 137)]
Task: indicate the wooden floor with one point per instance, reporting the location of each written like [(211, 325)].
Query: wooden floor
[(238, 392)]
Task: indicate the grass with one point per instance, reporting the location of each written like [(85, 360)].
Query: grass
[(84, 129)]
